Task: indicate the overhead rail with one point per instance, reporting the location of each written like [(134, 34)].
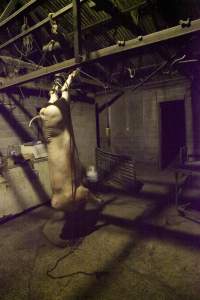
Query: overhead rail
[(147, 40), (55, 15)]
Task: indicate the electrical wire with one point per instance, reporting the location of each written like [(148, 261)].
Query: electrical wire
[(97, 274), (49, 271)]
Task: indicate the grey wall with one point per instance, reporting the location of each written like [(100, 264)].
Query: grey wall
[(135, 119), (15, 197), (15, 114), (83, 117), (196, 113)]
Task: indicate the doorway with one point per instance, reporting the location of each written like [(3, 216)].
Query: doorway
[(172, 131)]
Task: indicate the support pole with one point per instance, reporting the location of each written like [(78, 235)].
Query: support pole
[(97, 125), (110, 102), (77, 30)]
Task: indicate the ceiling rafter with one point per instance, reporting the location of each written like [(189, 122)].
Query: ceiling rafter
[(20, 12), (119, 16), (55, 15), (10, 7), (150, 39)]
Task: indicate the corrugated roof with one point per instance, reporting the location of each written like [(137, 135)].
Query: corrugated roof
[(103, 29)]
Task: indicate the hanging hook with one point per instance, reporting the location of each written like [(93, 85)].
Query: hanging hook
[(131, 72), (177, 60), (33, 119)]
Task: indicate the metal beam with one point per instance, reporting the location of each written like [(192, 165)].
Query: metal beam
[(23, 10), (106, 19), (110, 102), (156, 37), (91, 82), (77, 30), (44, 31), (118, 17), (8, 9), (57, 14), (116, 97), (19, 63), (98, 139)]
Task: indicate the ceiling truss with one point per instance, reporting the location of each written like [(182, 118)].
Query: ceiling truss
[(95, 56)]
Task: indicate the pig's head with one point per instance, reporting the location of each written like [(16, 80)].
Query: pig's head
[(52, 121)]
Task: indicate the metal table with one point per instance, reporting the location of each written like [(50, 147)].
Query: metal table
[(184, 172)]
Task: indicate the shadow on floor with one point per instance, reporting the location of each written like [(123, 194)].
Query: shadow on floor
[(81, 224), (86, 222)]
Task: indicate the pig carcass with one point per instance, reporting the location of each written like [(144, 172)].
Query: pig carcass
[(64, 167)]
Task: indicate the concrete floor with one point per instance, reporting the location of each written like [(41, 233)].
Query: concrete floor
[(145, 250)]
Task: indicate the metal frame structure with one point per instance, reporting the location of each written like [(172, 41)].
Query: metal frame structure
[(147, 40), (79, 60), (77, 30), (59, 13), (20, 12)]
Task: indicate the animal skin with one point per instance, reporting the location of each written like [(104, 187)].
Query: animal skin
[(68, 194)]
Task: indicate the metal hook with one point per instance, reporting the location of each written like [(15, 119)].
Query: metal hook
[(177, 60), (33, 119)]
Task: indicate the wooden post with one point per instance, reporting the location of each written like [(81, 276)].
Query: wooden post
[(97, 125), (77, 30)]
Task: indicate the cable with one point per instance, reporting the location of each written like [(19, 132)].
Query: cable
[(97, 274), (22, 54), (59, 260)]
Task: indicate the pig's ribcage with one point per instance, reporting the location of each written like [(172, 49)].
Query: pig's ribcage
[(59, 159)]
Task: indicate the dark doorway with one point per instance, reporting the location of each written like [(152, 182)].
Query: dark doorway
[(172, 130)]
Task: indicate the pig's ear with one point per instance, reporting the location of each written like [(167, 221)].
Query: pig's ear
[(33, 119)]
